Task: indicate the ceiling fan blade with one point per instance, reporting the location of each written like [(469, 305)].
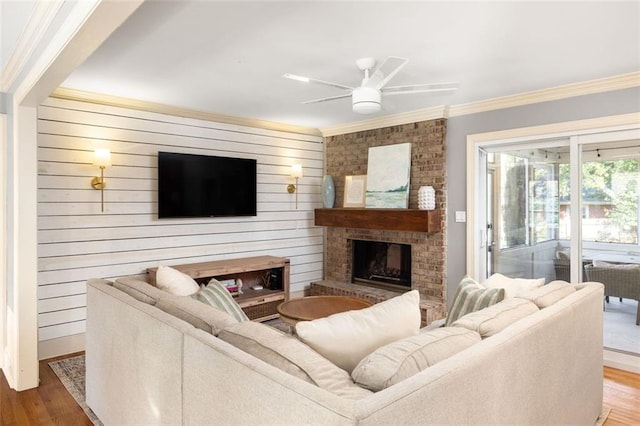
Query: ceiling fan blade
[(421, 88), (316, 81), (389, 68), (330, 98)]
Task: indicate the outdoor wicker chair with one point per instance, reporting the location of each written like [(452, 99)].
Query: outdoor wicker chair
[(619, 280)]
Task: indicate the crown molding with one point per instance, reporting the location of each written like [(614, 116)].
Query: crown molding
[(387, 121), (607, 84), (39, 21), (623, 81), (116, 101)]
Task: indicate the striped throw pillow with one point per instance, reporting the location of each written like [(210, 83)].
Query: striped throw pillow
[(216, 295), (471, 297)]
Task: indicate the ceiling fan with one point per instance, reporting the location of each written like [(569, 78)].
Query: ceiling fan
[(367, 98)]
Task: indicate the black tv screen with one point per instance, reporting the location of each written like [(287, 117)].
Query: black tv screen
[(205, 186)]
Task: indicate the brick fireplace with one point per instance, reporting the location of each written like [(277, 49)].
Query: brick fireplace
[(347, 155)]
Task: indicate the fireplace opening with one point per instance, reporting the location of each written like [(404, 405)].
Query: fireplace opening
[(381, 264)]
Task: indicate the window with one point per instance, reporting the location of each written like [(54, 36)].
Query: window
[(609, 200), (528, 200)]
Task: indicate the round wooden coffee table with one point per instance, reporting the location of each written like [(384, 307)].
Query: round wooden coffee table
[(314, 307)]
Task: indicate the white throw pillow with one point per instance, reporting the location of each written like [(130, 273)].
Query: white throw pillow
[(602, 264), (175, 282), (513, 287), (347, 337)]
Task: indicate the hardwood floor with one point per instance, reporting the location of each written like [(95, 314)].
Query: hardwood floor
[(48, 404), (622, 394), (51, 404)]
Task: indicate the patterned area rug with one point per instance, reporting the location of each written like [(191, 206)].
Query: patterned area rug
[(71, 372)]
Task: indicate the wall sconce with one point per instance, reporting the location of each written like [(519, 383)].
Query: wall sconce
[(102, 159), (296, 172)]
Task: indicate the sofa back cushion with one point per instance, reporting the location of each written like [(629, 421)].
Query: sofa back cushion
[(396, 361), (139, 289), (347, 337), (200, 315), (549, 294), (288, 354), (470, 297), (495, 318)]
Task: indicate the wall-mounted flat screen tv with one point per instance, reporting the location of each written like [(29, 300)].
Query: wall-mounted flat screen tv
[(205, 186)]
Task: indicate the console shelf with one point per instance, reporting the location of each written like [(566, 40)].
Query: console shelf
[(384, 219), (259, 305)]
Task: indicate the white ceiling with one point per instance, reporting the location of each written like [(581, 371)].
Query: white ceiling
[(229, 57)]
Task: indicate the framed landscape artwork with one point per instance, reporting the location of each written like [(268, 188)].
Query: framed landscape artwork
[(354, 190), (388, 173)]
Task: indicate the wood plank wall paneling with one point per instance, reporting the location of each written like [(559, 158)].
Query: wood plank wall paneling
[(76, 241)]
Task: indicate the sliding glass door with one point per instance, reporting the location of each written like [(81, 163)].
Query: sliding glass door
[(566, 209), (523, 208)]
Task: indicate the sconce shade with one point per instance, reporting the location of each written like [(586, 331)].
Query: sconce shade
[(296, 171), (102, 157)]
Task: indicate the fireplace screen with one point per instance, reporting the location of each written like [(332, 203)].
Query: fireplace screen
[(381, 264)]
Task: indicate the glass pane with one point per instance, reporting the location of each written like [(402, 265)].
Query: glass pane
[(611, 253), (513, 200), (526, 218), (610, 201), (543, 196)]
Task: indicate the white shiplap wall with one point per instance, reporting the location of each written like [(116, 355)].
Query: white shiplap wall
[(76, 241)]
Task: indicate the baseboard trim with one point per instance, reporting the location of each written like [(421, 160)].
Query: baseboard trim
[(61, 346), (621, 361)]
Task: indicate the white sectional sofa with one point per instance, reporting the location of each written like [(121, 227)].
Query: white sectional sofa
[(147, 366)]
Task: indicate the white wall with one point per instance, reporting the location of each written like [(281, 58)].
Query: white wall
[(76, 241)]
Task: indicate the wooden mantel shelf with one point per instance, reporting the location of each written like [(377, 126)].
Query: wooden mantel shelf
[(383, 219)]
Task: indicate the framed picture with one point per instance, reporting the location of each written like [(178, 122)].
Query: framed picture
[(388, 172), (354, 190)]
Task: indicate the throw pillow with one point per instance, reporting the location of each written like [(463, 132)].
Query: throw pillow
[(216, 295), (175, 282), (495, 318), (512, 286), (347, 337), (470, 297), (602, 264), (549, 294), (290, 355), (396, 361)]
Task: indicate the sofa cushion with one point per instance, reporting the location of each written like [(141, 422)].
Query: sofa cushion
[(512, 286), (175, 282), (396, 361), (287, 353), (470, 297), (495, 318), (204, 317), (139, 289), (347, 337), (602, 264), (216, 295), (549, 294)]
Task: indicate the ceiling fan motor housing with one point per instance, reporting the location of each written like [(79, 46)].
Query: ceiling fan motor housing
[(366, 100)]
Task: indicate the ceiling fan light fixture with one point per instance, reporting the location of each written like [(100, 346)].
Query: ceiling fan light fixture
[(366, 100)]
